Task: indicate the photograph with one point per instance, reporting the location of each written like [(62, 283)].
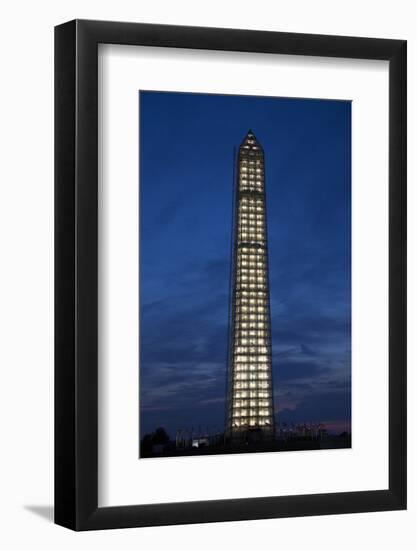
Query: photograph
[(245, 274)]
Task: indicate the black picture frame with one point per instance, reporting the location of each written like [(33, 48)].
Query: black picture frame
[(76, 272)]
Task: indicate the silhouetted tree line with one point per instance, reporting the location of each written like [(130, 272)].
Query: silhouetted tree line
[(158, 437)]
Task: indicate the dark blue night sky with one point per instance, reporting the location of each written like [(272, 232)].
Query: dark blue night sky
[(186, 183)]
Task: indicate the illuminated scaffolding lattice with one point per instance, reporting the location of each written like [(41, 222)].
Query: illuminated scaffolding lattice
[(250, 391)]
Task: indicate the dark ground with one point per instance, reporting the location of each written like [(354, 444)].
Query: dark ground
[(296, 444)]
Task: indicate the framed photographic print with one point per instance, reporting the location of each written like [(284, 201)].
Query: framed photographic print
[(230, 252)]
